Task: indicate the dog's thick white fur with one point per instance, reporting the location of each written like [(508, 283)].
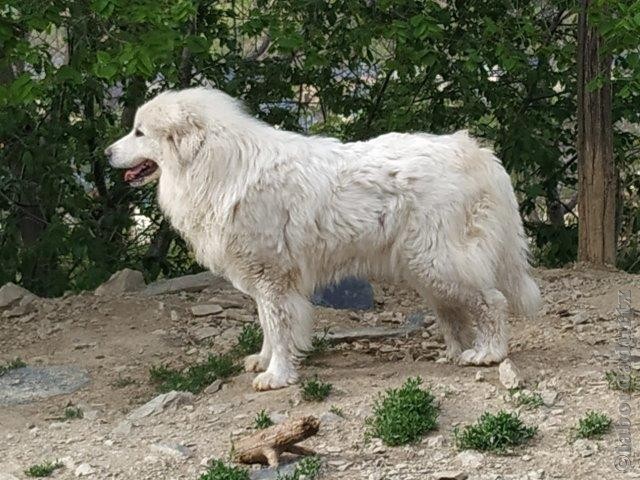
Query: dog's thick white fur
[(279, 214)]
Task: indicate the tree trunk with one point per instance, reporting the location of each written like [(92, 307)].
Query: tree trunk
[(596, 168)]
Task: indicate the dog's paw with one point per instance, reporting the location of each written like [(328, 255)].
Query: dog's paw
[(482, 357), (272, 381), (255, 363)]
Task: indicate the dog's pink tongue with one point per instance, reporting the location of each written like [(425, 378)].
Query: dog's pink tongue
[(132, 173)]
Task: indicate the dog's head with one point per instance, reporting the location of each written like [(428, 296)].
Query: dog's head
[(169, 132)]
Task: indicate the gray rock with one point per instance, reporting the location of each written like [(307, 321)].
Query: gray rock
[(509, 375), (123, 428), (162, 402), (585, 448), (206, 310), (273, 473), (187, 283), (214, 387), (451, 475), (26, 384), (414, 322), (84, 469), (549, 397), (19, 310), (172, 449), (330, 417), (123, 281), (206, 332), (470, 459), (437, 441), (11, 294)]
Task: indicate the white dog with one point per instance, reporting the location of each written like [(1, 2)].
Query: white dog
[(279, 213)]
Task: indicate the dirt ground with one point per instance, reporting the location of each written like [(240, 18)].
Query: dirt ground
[(566, 350)]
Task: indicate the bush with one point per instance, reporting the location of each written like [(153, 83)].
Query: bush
[(43, 469), (594, 424), (218, 470), (196, 377), (494, 433), (262, 420), (315, 391), (249, 339), (403, 415)]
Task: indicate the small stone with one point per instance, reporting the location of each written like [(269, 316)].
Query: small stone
[(509, 375), (84, 469), (580, 318), (452, 475), (174, 316), (278, 417), (549, 397), (480, 376), (437, 441), (172, 449), (123, 281), (160, 403), (330, 417), (206, 332), (205, 310), (123, 428), (585, 448), (214, 387), (470, 459)]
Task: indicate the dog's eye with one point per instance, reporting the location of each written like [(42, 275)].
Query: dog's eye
[(139, 133)]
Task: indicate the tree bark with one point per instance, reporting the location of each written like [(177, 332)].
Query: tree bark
[(596, 168)]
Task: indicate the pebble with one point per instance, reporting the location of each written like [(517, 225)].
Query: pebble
[(206, 310), (84, 469), (451, 475), (509, 375)]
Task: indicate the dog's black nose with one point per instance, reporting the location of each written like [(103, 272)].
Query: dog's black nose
[(108, 152)]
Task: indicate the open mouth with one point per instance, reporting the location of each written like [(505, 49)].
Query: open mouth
[(142, 173)]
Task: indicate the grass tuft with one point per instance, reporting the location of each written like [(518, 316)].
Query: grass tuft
[(403, 415), (308, 468), (43, 469), (618, 380), (73, 413), (218, 470), (494, 433), (523, 399), (262, 420), (314, 390), (336, 410), (594, 424), (195, 378), (249, 339), (11, 365)]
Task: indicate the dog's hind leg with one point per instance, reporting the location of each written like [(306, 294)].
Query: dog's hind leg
[(260, 361), (492, 336), (287, 324)]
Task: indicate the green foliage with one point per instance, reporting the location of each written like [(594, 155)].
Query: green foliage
[(73, 413), (218, 470), (627, 382), (249, 339), (43, 469), (314, 390), (494, 433), (194, 378), (528, 400), (262, 420), (306, 469), (72, 73), (336, 410), (11, 365), (594, 424), (403, 415)]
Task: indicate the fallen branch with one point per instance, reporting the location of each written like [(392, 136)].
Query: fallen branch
[(267, 445)]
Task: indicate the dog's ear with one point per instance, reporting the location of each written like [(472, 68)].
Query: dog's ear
[(186, 136)]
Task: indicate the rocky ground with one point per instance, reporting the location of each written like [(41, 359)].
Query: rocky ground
[(563, 354)]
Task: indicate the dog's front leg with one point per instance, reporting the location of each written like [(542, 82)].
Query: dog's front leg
[(287, 326)]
